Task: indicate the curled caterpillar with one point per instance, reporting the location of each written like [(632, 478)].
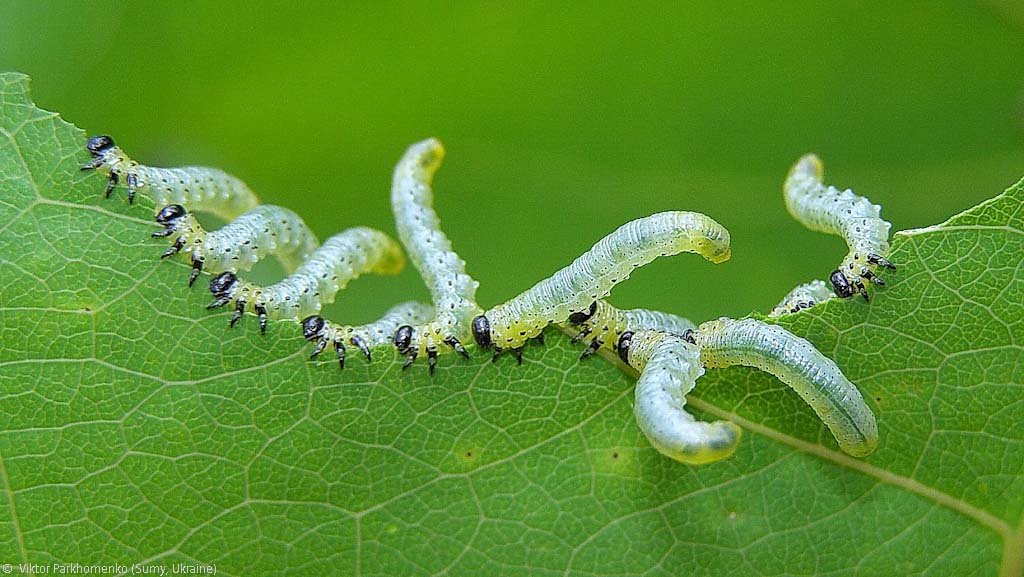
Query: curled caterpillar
[(452, 291), (344, 257), (365, 337), (802, 297), (827, 209), (592, 276), (604, 324), (669, 367), (795, 362), (195, 187), (263, 231)]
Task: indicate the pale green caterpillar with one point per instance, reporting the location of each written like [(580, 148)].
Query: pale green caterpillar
[(196, 187), (843, 213), (604, 324), (589, 278), (669, 368), (342, 258), (263, 231), (803, 297), (795, 362), (452, 291), (365, 337)]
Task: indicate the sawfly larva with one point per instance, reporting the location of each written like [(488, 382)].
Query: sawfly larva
[(603, 323), (342, 258), (452, 291), (197, 188), (840, 212), (364, 337), (669, 368), (803, 297), (264, 231), (794, 361), (592, 276)]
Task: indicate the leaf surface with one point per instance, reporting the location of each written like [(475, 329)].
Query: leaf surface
[(135, 427)]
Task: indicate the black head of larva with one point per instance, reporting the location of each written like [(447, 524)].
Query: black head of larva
[(312, 326), (222, 284), (841, 285), (482, 331), (622, 347), (169, 214), (98, 144), (403, 338), (581, 317), (690, 336)]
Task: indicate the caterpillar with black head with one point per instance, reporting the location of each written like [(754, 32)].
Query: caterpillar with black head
[(589, 278), (342, 258), (264, 231), (797, 363), (366, 337), (669, 367), (803, 297), (603, 324), (197, 188), (770, 348), (452, 291), (827, 209)]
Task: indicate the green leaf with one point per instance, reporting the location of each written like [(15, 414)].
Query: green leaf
[(135, 427)]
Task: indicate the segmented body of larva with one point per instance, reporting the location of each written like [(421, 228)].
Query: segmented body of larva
[(452, 291), (342, 258), (264, 231), (795, 362), (197, 188), (669, 368), (603, 324), (592, 276), (843, 213), (365, 337), (802, 297)]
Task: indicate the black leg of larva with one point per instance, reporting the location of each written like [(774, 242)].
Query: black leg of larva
[(880, 261), (497, 353), (221, 301), (358, 342), (410, 358), (163, 233), (132, 181), (432, 360), (519, 355), (237, 315), (261, 311), (111, 183), (319, 348), (872, 277), (589, 352), (174, 248), (455, 344), (581, 335), (197, 267), (539, 339), (92, 164), (859, 287), (339, 349)]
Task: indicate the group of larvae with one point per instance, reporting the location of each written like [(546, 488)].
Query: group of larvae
[(669, 352)]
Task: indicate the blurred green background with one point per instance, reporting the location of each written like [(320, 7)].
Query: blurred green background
[(561, 121)]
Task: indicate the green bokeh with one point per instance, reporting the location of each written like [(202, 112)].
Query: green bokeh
[(561, 122)]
